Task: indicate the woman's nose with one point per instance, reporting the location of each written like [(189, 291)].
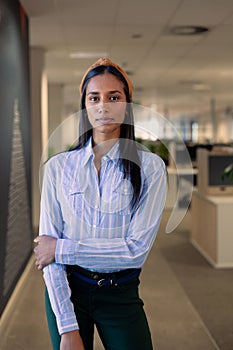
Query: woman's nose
[(103, 106)]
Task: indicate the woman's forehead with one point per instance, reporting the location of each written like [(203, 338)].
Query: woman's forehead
[(105, 82)]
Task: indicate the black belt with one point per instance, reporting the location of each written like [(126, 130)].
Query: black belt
[(103, 279)]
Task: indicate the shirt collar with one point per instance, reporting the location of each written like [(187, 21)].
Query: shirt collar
[(87, 152), (113, 153)]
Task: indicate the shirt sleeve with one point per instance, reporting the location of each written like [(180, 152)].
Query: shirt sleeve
[(51, 224), (131, 251)]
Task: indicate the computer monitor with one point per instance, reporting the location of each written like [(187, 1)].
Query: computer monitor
[(211, 167)]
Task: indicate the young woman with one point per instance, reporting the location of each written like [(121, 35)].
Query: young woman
[(101, 207)]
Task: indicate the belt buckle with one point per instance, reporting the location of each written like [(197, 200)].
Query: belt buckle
[(100, 283)]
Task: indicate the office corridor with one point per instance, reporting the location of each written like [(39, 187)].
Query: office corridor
[(189, 303)]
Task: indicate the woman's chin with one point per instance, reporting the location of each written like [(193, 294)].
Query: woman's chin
[(108, 130)]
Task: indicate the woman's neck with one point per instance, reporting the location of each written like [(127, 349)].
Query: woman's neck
[(102, 148)]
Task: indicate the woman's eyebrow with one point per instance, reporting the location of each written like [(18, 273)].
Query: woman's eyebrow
[(114, 91), (93, 93), (109, 92)]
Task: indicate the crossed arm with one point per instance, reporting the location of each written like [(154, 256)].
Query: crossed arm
[(44, 251), (45, 255)]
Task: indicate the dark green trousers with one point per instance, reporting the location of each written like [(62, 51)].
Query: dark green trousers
[(116, 311)]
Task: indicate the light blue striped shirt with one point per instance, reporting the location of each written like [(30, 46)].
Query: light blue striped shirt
[(93, 220)]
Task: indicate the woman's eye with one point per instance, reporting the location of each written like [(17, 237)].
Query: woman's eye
[(93, 98), (113, 98)]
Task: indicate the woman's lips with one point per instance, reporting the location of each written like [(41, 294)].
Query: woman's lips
[(105, 120)]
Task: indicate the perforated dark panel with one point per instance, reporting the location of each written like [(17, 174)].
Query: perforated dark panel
[(15, 216), (18, 234)]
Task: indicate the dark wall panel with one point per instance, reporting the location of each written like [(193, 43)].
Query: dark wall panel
[(15, 203)]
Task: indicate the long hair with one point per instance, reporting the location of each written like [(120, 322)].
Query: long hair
[(129, 160)]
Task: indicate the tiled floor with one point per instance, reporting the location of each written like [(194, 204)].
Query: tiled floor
[(180, 317)]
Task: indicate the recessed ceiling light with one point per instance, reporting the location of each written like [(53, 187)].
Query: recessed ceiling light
[(190, 82), (188, 30), (228, 73), (81, 55), (136, 36), (138, 89), (78, 73), (129, 72), (229, 110), (201, 87), (124, 64)]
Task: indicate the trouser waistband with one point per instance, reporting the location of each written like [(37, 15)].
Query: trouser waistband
[(103, 279)]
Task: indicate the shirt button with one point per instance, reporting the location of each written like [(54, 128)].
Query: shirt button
[(104, 158), (94, 226), (96, 206)]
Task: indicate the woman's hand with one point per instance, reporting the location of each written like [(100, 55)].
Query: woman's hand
[(71, 341), (44, 251)]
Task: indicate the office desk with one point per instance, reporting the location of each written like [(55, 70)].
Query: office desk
[(212, 228)]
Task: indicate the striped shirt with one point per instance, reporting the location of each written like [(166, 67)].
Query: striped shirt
[(93, 221)]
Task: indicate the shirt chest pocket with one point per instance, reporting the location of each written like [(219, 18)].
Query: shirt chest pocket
[(76, 199), (119, 201)]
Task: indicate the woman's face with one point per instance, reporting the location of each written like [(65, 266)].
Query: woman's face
[(106, 106)]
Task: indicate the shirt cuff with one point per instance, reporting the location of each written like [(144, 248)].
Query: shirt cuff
[(67, 323), (65, 252)]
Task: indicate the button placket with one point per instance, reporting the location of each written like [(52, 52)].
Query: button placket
[(95, 208)]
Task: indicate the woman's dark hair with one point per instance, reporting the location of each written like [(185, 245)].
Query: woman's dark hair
[(129, 160)]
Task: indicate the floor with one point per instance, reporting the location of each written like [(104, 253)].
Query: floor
[(189, 304)]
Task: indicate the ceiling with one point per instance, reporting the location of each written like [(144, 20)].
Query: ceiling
[(176, 74)]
